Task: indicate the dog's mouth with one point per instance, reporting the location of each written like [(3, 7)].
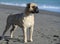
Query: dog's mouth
[(36, 11)]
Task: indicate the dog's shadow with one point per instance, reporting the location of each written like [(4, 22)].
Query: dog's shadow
[(7, 39)]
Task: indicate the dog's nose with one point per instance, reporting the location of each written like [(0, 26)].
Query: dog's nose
[(36, 9)]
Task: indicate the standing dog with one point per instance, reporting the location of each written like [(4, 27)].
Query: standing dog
[(24, 20)]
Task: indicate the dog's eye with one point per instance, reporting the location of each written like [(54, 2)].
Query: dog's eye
[(33, 6)]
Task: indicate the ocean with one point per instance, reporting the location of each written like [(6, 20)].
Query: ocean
[(49, 5)]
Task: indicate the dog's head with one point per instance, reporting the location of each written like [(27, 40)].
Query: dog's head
[(32, 8)]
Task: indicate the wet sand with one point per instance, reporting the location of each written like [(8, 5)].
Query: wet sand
[(46, 30)]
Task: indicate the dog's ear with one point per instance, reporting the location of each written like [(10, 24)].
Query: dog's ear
[(28, 5)]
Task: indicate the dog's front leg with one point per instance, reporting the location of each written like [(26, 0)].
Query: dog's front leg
[(31, 33), (25, 34)]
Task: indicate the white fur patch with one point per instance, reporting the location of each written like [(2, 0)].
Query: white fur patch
[(29, 20)]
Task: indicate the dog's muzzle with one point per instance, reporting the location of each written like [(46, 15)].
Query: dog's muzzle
[(35, 10)]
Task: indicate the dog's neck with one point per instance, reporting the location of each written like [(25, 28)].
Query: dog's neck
[(28, 14)]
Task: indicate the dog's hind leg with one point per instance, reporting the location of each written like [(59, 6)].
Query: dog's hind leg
[(12, 30), (6, 29)]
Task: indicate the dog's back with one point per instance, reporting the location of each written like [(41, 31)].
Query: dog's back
[(15, 19)]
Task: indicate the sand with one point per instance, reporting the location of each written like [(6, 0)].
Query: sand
[(46, 30)]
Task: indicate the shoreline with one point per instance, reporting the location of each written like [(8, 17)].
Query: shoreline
[(20, 7)]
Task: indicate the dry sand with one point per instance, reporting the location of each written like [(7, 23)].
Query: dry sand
[(46, 30)]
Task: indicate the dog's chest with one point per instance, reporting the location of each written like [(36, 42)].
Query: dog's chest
[(28, 21)]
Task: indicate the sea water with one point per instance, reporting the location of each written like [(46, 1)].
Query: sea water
[(50, 5)]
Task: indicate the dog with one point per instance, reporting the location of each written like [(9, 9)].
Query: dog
[(23, 20)]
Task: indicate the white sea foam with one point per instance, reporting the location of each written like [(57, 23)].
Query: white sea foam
[(51, 7)]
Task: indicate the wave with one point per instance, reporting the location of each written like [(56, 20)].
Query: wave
[(44, 7), (50, 8), (14, 4)]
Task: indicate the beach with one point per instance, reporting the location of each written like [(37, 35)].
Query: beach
[(46, 29)]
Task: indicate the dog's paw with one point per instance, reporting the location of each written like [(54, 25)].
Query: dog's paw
[(30, 40), (25, 41)]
